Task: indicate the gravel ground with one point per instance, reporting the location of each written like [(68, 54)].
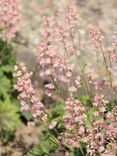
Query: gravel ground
[(97, 13)]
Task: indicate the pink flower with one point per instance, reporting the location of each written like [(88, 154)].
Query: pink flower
[(9, 17), (101, 149), (72, 89), (29, 102), (77, 81), (95, 37), (52, 124), (49, 86), (73, 119), (44, 117), (81, 130), (96, 113), (31, 124), (67, 153)]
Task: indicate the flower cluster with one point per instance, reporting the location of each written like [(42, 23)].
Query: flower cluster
[(94, 122), (9, 17), (72, 17), (113, 59), (52, 65), (66, 31), (115, 39), (98, 129), (49, 89), (100, 102), (27, 95), (95, 37), (101, 134), (83, 124), (54, 60), (73, 120)]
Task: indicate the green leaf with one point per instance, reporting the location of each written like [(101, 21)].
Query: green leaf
[(79, 151), (85, 99), (91, 113), (90, 116), (28, 116), (5, 86), (57, 110), (7, 69), (6, 54), (9, 117), (47, 146), (2, 28)]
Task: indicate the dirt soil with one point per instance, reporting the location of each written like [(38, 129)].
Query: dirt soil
[(25, 139)]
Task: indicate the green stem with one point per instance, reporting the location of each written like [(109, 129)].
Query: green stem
[(67, 53), (107, 71)]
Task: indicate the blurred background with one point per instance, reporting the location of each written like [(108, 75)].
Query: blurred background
[(92, 13)]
